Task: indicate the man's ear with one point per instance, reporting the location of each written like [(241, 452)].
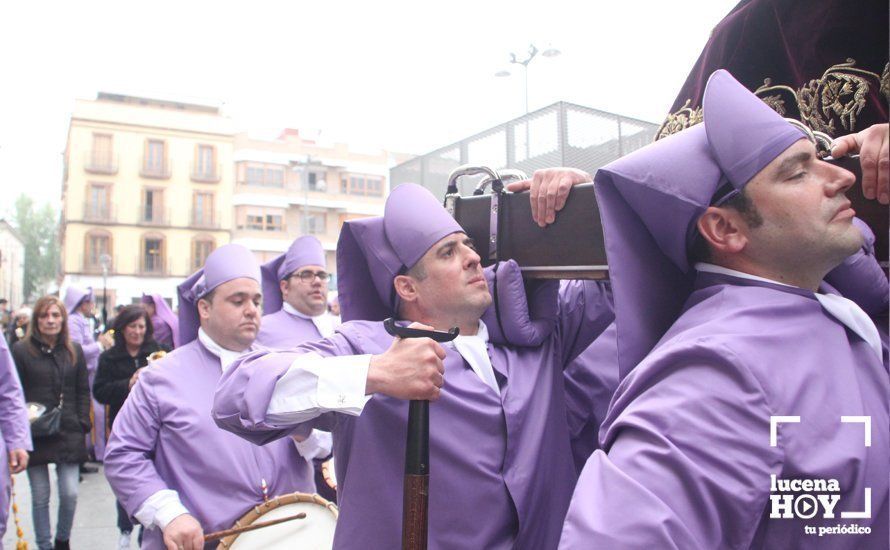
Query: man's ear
[(283, 285), (406, 288), (203, 309), (724, 230)]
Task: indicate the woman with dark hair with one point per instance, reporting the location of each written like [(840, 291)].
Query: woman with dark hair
[(54, 373), (118, 370)]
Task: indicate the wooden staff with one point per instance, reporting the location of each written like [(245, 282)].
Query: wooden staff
[(416, 494), (252, 527)]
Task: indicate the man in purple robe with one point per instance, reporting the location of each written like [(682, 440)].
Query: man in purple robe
[(753, 407), (163, 320), (590, 381), (15, 431), (81, 307), (501, 469), (167, 462), (295, 289)]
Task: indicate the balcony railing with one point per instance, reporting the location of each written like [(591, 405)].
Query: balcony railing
[(103, 213), (206, 220), (155, 170), (99, 163), (151, 265), (159, 216), (89, 266), (206, 174)]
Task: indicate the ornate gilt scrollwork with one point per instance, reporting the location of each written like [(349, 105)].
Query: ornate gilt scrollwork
[(829, 104)]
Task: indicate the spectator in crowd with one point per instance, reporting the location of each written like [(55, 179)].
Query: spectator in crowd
[(19, 325), (53, 373), (118, 371), (5, 313)]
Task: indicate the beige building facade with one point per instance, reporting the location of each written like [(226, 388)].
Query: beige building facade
[(147, 193), (294, 185)]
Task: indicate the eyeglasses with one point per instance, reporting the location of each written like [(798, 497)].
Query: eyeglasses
[(309, 276)]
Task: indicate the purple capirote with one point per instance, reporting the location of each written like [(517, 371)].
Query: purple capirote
[(164, 321), (226, 263), (650, 200), (306, 250), (372, 251), (75, 296)]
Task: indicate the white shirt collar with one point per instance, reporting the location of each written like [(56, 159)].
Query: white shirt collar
[(720, 270), (844, 310), (226, 356), (474, 350), (323, 322)]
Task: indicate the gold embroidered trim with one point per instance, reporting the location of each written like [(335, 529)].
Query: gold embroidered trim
[(685, 117), (829, 104)]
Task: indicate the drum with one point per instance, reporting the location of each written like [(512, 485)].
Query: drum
[(315, 531), (330, 476)]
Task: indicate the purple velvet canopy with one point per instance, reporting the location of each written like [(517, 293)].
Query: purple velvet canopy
[(823, 63)]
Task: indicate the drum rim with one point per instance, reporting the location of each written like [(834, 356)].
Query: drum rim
[(258, 510), (329, 474)]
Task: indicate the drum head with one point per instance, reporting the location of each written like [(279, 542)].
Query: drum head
[(315, 531)]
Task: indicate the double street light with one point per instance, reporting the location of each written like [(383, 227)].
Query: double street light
[(532, 54)]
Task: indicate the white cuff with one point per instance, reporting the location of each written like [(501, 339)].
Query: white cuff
[(314, 385), (160, 509), (342, 382), (317, 445)]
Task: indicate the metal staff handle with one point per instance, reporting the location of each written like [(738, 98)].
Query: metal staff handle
[(415, 505)]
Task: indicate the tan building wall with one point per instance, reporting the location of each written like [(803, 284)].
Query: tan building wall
[(291, 186), (149, 182)]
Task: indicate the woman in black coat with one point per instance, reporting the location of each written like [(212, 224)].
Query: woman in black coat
[(52, 368), (117, 372), (133, 343)]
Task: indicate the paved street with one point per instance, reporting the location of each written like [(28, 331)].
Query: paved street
[(95, 525)]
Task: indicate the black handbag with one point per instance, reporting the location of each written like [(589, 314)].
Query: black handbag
[(49, 423)]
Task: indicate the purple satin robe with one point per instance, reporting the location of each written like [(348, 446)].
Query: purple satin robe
[(80, 332), (687, 457), (283, 330), (501, 469), (15, 431), (590, 381), (165, 438)]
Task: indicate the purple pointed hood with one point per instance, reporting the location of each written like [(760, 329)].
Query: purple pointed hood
[(306, 250), (166, 314), (228, 262), (372, 251), (75, 296), (651, 200)]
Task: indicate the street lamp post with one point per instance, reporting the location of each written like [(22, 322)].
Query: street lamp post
[(532, 53), (105, 262)]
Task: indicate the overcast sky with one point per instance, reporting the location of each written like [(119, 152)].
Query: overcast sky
[(405, 76)]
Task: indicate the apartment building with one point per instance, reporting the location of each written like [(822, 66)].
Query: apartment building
[(295, 185), (147, 193)]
